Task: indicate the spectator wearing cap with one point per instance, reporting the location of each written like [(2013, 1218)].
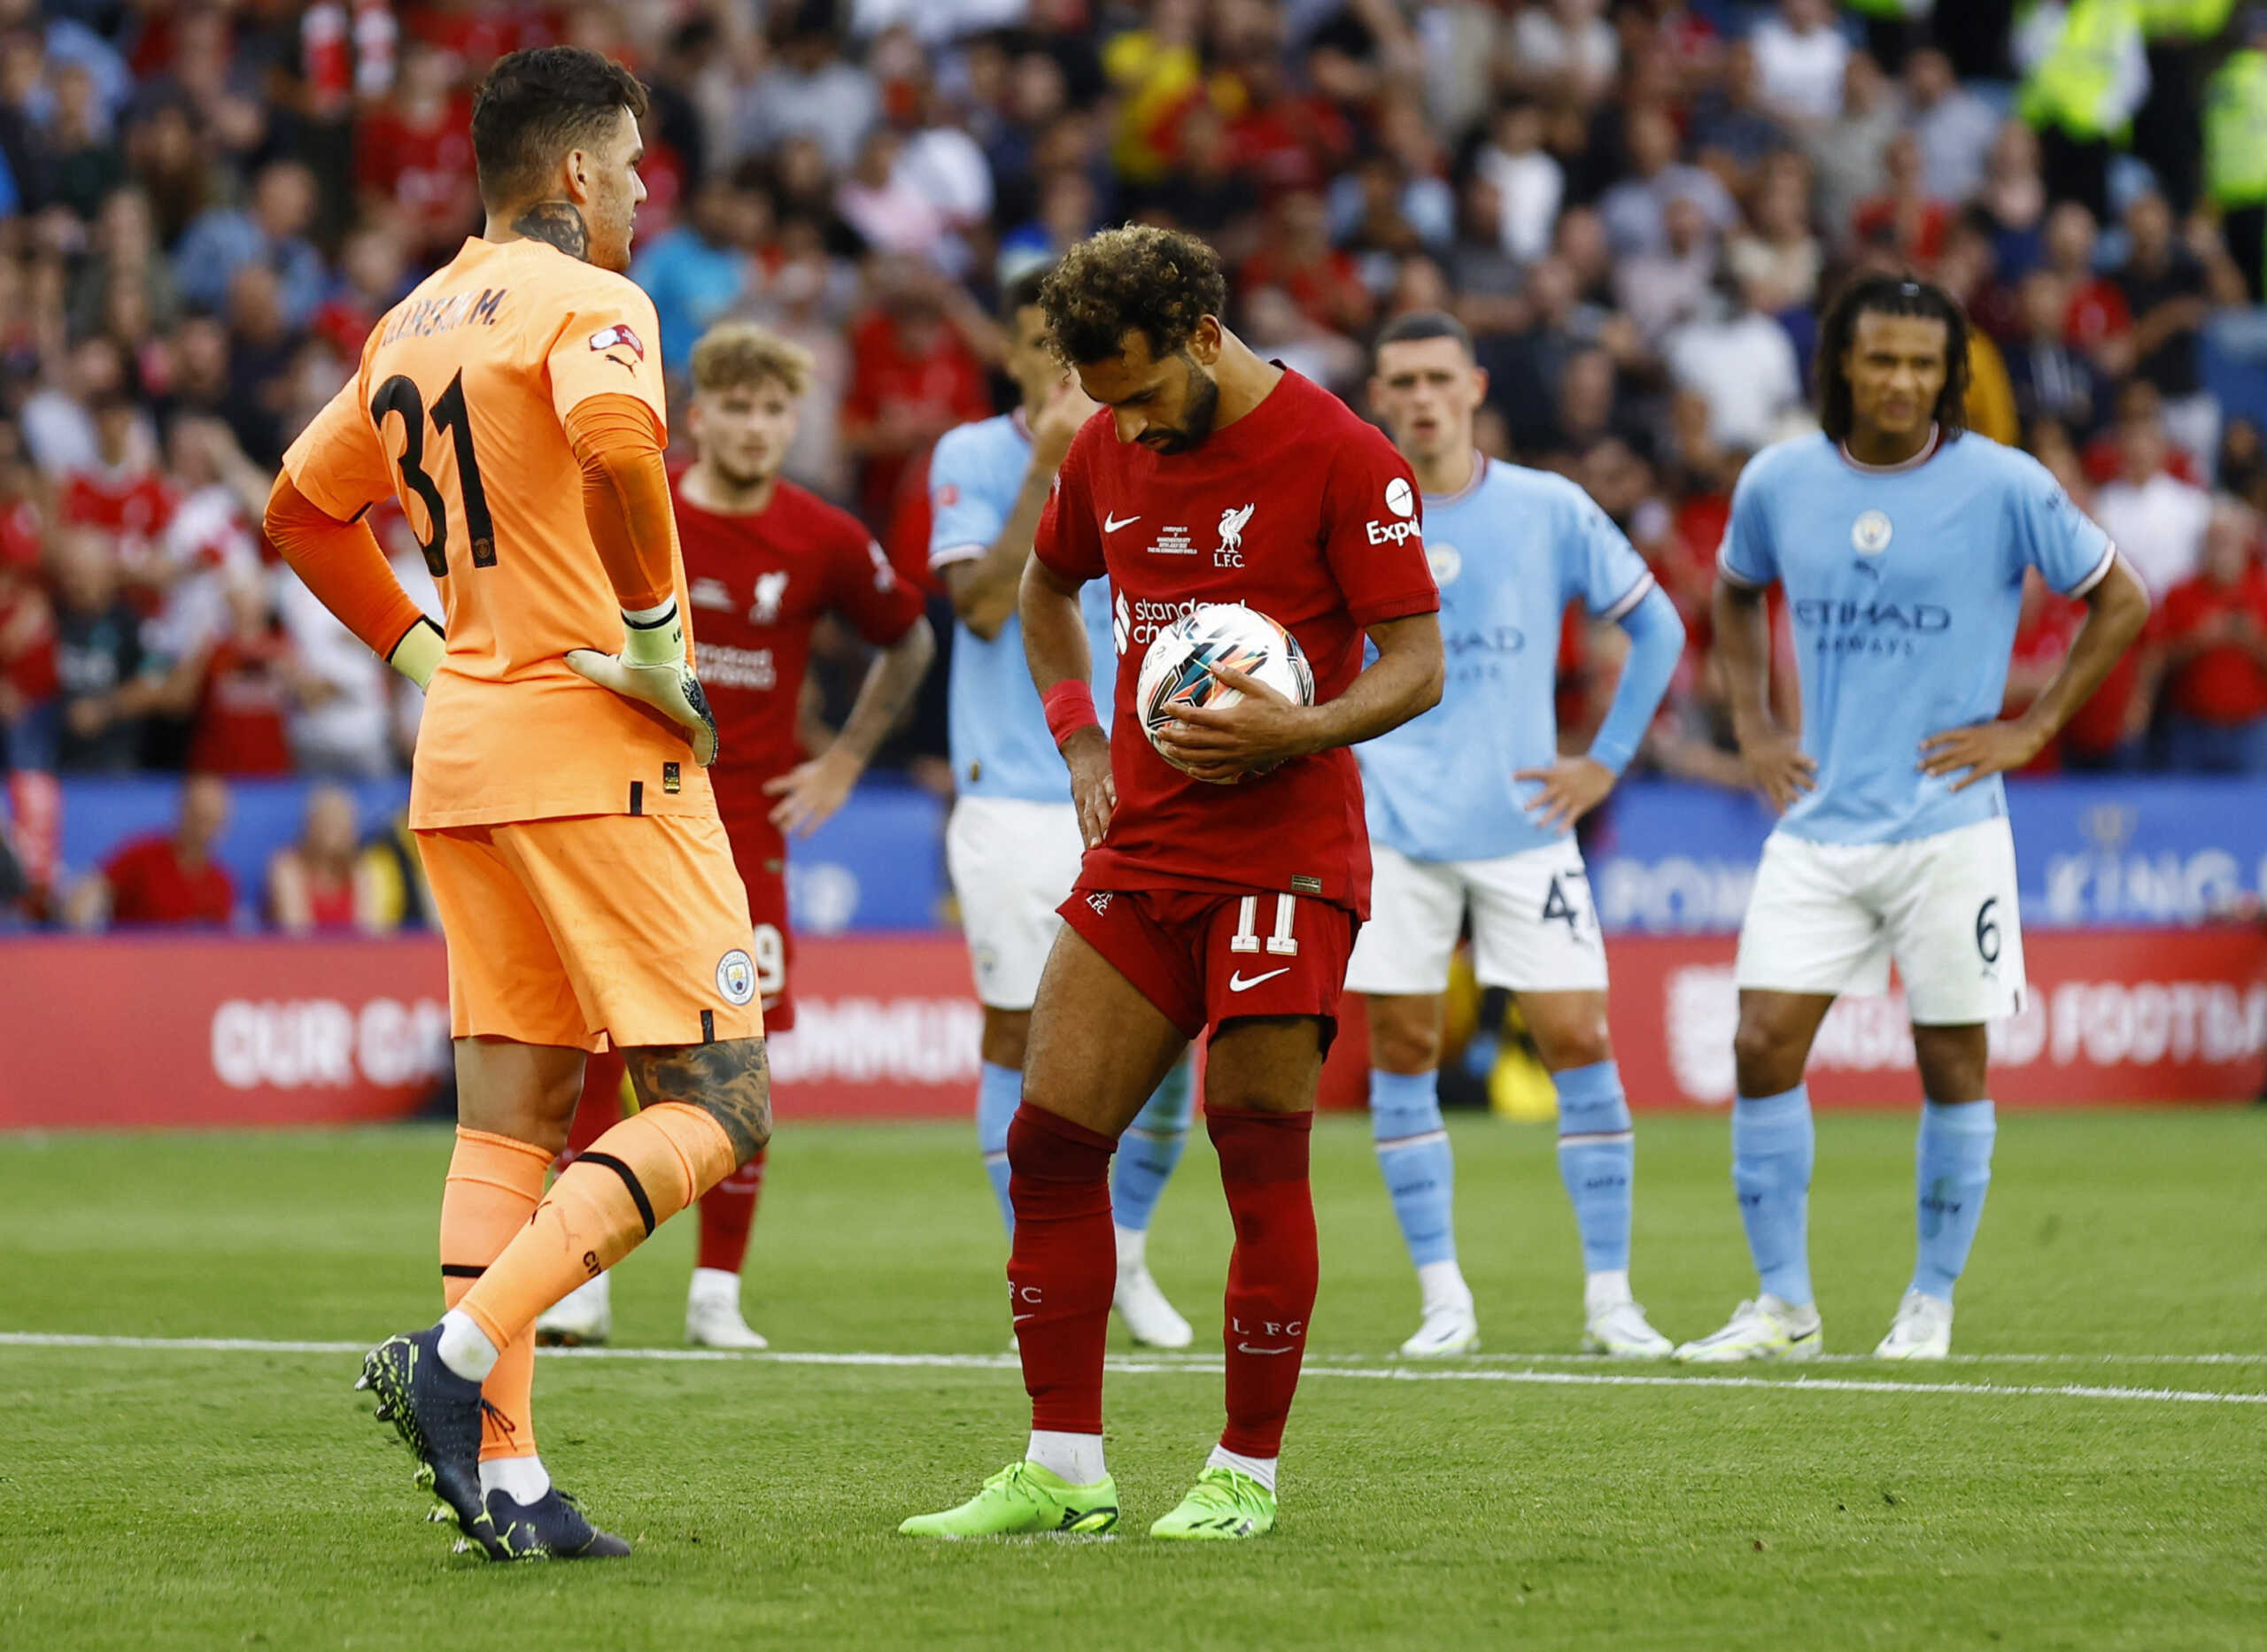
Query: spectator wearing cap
[(2211, 653), (272, 235), (167, 879)]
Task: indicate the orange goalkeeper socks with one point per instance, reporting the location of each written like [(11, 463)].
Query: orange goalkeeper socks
[(492, 1187), (603, 1206)]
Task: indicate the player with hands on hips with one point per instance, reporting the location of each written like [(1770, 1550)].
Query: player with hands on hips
[(1901, 543), (1472, 808)]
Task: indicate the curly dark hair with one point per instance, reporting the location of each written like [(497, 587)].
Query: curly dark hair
[(535, 106), (1891, 295), (1160, 282)]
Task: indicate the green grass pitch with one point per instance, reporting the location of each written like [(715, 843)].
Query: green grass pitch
[(2064, 1483)]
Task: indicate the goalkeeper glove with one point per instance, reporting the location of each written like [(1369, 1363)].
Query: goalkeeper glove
[(417, 656), (651, 669)]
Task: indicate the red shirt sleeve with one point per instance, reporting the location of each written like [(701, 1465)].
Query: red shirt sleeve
[(865, 590), (1373, 522), (1067, 540)]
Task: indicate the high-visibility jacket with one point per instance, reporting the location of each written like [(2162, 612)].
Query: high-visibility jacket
[(2235, 131), (2095, 75)]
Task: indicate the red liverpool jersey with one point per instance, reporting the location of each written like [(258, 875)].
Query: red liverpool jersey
[(758, 584), (1300, 510)]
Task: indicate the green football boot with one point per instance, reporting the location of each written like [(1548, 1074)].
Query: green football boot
[(1025, 1498), (1224, 1504)]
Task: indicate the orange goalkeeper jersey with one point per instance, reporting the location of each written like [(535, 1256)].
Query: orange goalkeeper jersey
[(458, 411)]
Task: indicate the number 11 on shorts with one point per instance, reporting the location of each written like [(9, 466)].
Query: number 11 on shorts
[(1281, 944)]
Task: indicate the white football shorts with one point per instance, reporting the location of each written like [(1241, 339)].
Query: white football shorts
[(1012, 862), (1534, 928), (1829, 917)]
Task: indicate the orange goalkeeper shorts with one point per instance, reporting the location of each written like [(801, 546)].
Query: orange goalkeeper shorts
[(632, 928)]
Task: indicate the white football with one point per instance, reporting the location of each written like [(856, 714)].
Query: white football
[(1224, 634)]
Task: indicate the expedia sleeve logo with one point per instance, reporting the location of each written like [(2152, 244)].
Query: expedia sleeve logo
[(1401, 500)]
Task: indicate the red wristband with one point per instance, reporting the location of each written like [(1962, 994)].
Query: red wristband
[(1070, 708)]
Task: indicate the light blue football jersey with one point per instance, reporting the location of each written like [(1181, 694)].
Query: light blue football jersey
[(1510, 552), (1001, 747), (1903, 587)]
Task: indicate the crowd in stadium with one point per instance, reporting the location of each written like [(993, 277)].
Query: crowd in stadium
[(1636, 207)]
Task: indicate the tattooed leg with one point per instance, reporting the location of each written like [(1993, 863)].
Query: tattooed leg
[(706, 1110), (730, 1082)]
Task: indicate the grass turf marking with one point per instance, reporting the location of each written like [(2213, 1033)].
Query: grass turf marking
[(1142, 1366)]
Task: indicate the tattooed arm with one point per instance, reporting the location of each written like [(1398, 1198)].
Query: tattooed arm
[(730, 1082)]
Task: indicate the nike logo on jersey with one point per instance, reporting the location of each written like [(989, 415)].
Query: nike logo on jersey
[(1110, 524), (1246, 1347), (1237, 983)]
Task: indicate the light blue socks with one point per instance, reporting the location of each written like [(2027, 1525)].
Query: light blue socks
[(1953, 1167), (999, 1092), (1150, 1148), (1772, 1146), (1419, 1169), (1597, 1159)]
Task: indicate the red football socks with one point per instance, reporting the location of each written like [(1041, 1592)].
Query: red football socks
[(1270, 1272), (605, 1077), (1063, 1269), (727, 1213)]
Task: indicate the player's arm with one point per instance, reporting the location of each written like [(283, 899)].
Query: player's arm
[(1741, 618), (626, 505), (2118, 606), (986, 589), (1574, 786), (1067, 552), (344, 565), (1264, 728), (811, 792), (1055, 646), (313, 518), (1740, 615)]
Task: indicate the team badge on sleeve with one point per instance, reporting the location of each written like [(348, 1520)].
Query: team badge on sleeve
[(607, 338)]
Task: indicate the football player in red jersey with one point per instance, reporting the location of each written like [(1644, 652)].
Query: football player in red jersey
[(1224, 897), (763, 560)]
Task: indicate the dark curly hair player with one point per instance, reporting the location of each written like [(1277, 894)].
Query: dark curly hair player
[(1220, 890), (1901, 547)]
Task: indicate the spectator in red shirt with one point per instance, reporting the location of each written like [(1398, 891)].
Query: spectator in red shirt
[(412, 156), (2211, 649), (126, 493), (248, 683), (2097, 321), (1903, 217), (1298, 258), (321, 884), (913, 376), (165, 878)]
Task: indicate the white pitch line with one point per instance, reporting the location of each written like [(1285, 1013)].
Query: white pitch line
[(1149, 1366)]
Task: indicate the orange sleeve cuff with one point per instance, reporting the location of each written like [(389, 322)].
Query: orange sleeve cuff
[(342, 564), (626, 496)]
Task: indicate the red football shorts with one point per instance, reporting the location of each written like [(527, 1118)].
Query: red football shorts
[(760, 852), (1204, 958)]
